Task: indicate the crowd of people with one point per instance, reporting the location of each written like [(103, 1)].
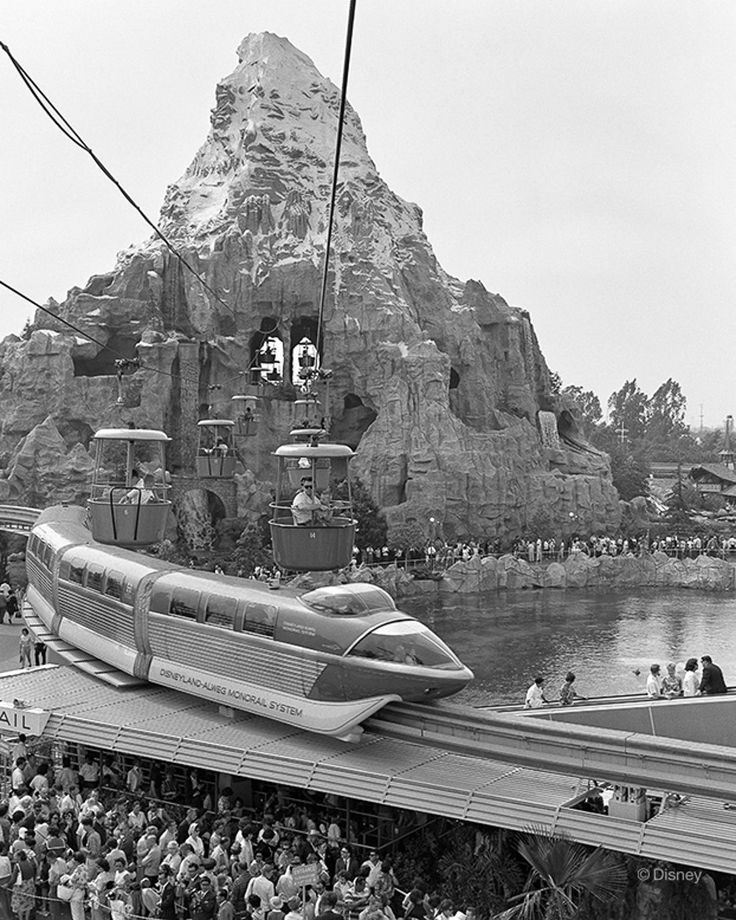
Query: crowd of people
[(686, 681), (676, 545), (443, 554), (96, 843), (681, 680)]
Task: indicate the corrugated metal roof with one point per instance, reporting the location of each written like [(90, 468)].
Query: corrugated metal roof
[(171, 726)]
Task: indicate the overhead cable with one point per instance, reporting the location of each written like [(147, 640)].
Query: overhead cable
[(338, 146), (63, 125)]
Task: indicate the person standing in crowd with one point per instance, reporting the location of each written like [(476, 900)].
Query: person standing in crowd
[(6, 881), (711, 679), (654, 683), (78, 883), (25, 644), (11, 605), (167, 891), (24, 883), (690, 682), (39, 651), (535, 698)]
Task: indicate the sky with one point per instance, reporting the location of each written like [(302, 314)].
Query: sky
[(577, 157)]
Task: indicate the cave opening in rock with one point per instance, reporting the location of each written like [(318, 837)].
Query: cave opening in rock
[(355, 420), (119, 345), (454, 379)]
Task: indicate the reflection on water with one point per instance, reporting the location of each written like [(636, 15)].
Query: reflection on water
[(510, 637)]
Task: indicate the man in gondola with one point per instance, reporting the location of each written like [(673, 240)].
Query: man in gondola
[(305, 504)]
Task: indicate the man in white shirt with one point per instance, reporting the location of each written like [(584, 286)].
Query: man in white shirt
[(305, 504), (535, 698), (654, 683), (262, 886), (18, 780)]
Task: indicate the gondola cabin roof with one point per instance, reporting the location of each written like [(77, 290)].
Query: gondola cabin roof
[(313, 451), (130, 434), (216, 423)]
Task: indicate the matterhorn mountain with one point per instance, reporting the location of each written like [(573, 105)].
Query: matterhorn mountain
[(439, 385)]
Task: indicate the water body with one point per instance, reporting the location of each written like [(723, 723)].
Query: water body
[(509, 637)]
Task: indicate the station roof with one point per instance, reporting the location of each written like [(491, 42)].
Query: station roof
[(166, 725)]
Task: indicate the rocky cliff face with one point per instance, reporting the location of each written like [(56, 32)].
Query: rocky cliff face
[(436, 383)]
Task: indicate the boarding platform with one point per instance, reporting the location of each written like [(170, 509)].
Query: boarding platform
[(169, 726)]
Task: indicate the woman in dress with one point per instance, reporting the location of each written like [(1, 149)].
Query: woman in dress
[(671, 685), (78, 883), (25, 647)]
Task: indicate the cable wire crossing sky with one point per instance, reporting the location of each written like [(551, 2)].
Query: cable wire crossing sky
[(579, 159)]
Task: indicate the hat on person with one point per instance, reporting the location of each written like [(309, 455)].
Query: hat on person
[(276, 903), (654, 668)]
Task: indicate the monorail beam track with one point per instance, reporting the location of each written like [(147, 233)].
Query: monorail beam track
[(17, 519), (625, 758)]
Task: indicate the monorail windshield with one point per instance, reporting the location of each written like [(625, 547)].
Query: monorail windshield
[(407, 643), (353, 599)]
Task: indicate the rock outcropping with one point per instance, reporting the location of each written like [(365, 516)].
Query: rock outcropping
[(437, 383)]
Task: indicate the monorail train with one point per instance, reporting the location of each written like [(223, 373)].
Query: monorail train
[(323, 660)]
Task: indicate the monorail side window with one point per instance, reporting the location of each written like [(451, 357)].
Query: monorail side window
[(32, 544), (220, 611), (184, 604), (114, 585), (94, 577), (45, 554), (260, 619), (160, 600), (76, 572)]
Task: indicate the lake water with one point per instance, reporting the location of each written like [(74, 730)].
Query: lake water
[(603, 636)]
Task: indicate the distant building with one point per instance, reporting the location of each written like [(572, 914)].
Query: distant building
[(716, 479)]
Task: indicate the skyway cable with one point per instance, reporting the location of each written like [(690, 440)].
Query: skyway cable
[(336, 170), (63, 125), (86, 335)]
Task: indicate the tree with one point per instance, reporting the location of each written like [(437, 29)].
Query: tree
[(628, 408), (667, 412), (371, 524), (561, 873), (629, 472), (251, 548), (406, 536), (479, 869), (586, 404)]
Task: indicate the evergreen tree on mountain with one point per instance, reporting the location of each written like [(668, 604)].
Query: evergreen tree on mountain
[(587, 407)]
